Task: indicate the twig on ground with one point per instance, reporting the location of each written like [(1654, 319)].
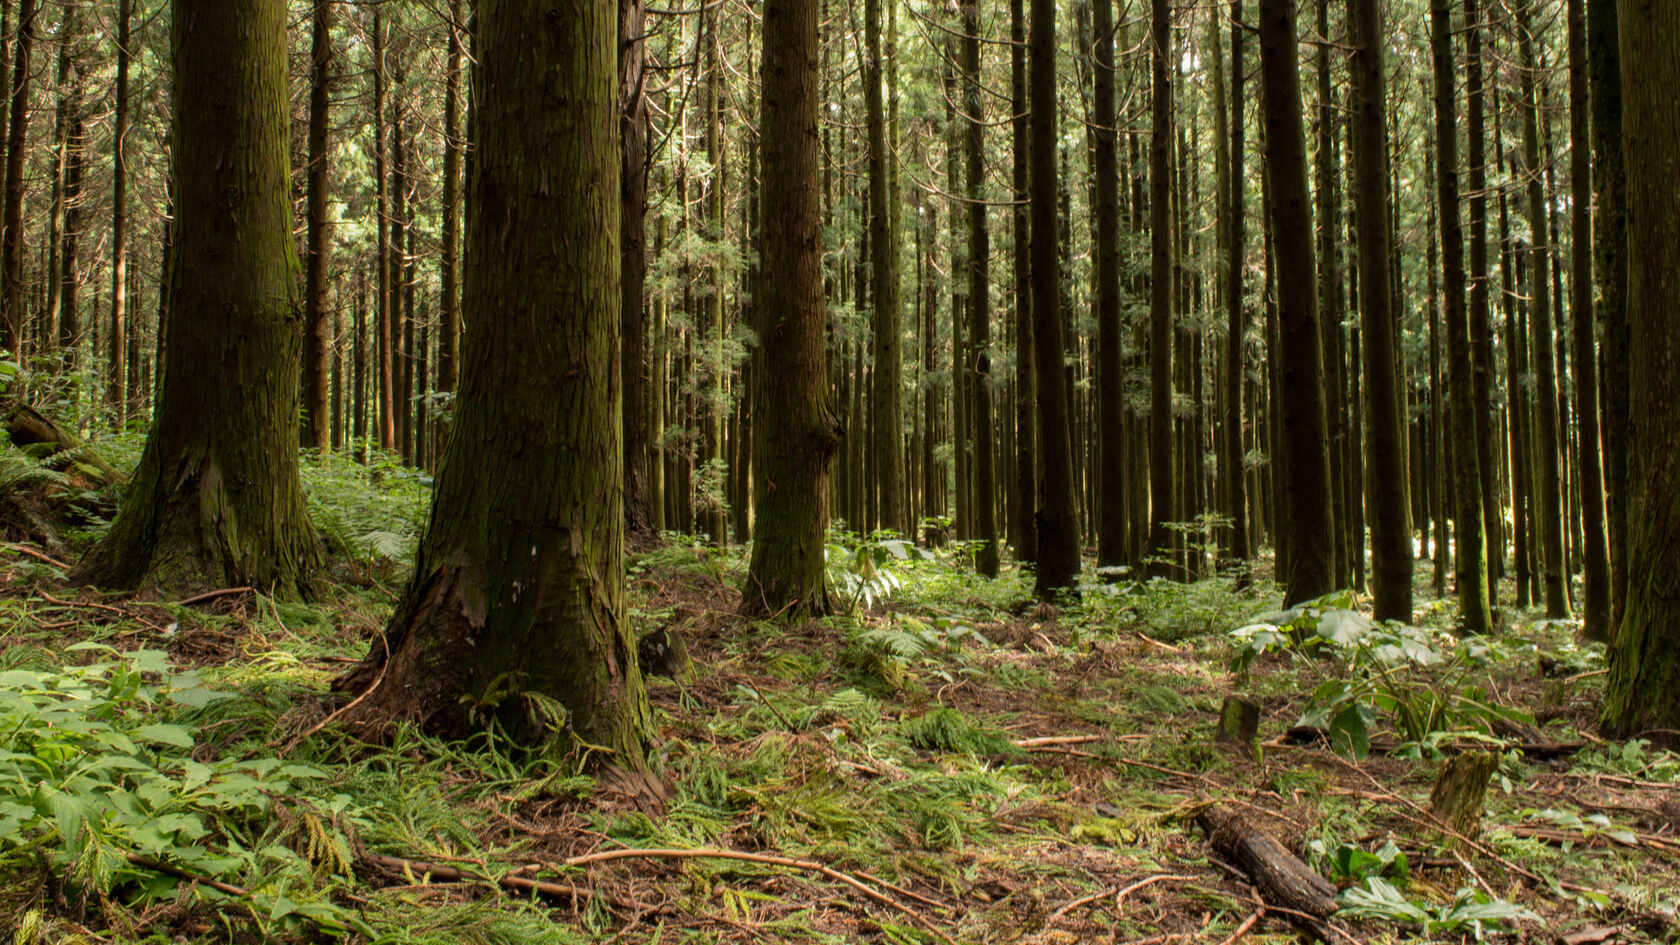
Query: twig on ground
[(213, 595), (38, 556), (1118, 893)]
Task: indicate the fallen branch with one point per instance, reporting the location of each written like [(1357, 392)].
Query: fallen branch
[(106, 608), (1050, 740), (1278, 874)]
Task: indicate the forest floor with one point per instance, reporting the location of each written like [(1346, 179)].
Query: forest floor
[(951, 764)]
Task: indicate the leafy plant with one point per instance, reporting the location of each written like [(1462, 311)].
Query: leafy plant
[(1350, 862), (1420, 679), (1471, 911), (857, 568)]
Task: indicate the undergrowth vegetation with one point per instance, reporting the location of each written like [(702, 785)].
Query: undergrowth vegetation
[(943, 760)]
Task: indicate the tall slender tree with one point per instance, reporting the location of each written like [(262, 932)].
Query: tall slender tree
[(1111, 382), (1391, 530), (317, 322), (1024, 504), (1468, 521), (984, 500), (1162, 282), (1300, 361), (633, 134), (11, 242), (1610, 258), (1236, 323), (887, 378), (1058, 515), (799, 433)]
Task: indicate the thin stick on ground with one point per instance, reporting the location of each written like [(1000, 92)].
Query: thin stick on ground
[(1118, 893), (701, 853)]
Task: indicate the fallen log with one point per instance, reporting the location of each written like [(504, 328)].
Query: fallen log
[(1279, 875)]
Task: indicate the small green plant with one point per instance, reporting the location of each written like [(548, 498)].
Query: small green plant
[(1352, 863), (1420, 679), (857, 567), (1471, 912)]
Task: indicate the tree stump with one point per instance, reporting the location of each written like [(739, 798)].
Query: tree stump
[(1457, 798), (1239, 722)]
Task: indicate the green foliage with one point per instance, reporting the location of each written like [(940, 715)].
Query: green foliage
[(949, 730), (372, 515), (1349, 862), (1471, 912), (1421, 680), (99, 775), (857, 567)]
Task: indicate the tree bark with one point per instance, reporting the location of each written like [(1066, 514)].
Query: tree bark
[(1111, 381), (633, 128), (1300, 358), (1025, 504), (515, 611), (1643, 691), (1236, 323), (215, 500), (1480, 312)]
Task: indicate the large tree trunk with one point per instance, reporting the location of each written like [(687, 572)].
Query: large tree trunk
[(797, 435), (317, 327), (1548, 510), (216, 499), (887, 378), (1058, 517), (517, 598), (1643, 691), (1306, 488), (1391, 531), (1468, 521), (984, 499)]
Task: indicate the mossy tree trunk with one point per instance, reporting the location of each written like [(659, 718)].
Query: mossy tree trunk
[(1643, 691), (1305, 488), (518, 587), (216, 499), (798, 434)]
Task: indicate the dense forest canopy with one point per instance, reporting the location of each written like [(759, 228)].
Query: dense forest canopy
[(563, 350)]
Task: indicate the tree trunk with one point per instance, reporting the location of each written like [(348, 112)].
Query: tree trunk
[(1391, 531), (1058, 518), (1643, 691), (11, 244), (1468, 521), (449, 307), (216, 499), (887, 380), (382, 321), (1481, 316), (1025, 503), (1236, 322), (1610, 257), (1161, 284), (798, 434), (1596, 579), (1300, 357), (984, 500), (633, 128), (1548, 510), (516, 607), (117, 395), (317, 328), (1111, 382)]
